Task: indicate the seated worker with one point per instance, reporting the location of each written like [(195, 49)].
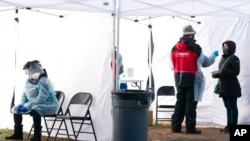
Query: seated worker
[(38, 99)]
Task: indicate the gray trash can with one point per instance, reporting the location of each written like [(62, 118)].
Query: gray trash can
[(130, 115)]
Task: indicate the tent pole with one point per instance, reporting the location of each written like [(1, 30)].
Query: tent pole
[(150, 59), (116, 44), (114, 56)]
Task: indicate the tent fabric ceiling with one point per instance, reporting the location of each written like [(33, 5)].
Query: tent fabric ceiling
[(142, 7)]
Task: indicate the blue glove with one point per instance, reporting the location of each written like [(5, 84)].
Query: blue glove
[(22, 108), (216, 53)]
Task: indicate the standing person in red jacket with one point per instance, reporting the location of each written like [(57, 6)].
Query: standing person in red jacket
[(187, 59)]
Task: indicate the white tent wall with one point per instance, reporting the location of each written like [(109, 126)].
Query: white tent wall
[(76, 52), (134, 48), (7, 62)]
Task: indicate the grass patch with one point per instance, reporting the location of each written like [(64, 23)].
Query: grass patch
[(9, 132)]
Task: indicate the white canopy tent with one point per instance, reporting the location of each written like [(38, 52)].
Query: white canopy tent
[(142, 7), (76, 49)]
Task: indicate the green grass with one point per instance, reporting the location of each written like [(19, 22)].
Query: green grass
[(8, 132)]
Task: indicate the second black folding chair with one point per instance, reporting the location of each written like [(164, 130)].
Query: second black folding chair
[(78, 116), (162, 106)]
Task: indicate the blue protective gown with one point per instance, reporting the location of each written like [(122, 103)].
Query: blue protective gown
[(40, 97)]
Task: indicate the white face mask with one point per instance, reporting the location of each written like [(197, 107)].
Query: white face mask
[(34, 75)]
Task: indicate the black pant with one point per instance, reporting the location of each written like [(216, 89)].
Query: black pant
[(18, 118), (185, 107), (232, 110)]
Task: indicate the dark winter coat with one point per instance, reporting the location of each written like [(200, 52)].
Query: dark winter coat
[(229, 84)]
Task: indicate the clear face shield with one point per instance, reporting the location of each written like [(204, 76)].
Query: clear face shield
[(34, 71)]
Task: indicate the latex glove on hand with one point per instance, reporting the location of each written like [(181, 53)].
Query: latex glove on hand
[(19, 106), (22, 108), (216, 53)]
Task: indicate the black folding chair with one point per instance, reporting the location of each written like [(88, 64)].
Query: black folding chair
[(78, 115), (164, 91), (51, 118)]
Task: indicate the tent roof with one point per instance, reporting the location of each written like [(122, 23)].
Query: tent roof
[(142, 7)]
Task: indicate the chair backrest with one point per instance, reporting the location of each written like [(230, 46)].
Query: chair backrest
[(166, 91), (60, 97), (162, 106), (80, 98)]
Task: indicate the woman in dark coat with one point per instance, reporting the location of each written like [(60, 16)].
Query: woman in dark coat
[(230, 90)]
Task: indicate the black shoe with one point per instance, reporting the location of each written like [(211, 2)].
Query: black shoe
[(18, 133), (35, 139), (221, 130), (193, 132), (176, 131), (14, 137), (225, 130)]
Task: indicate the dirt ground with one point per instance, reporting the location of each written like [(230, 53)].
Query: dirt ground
[(163, 133)]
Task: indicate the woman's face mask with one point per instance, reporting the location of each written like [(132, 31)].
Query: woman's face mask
[(34, 75)]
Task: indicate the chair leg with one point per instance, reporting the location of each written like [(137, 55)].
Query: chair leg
[(63, 121), (66, 128), (49, 131), (74, 132), (31, 129), (92, 126), (93, 130), (46, 126), (58, 130), (156, 118)]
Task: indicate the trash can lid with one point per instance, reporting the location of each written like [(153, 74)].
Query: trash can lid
[(132, 94)]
